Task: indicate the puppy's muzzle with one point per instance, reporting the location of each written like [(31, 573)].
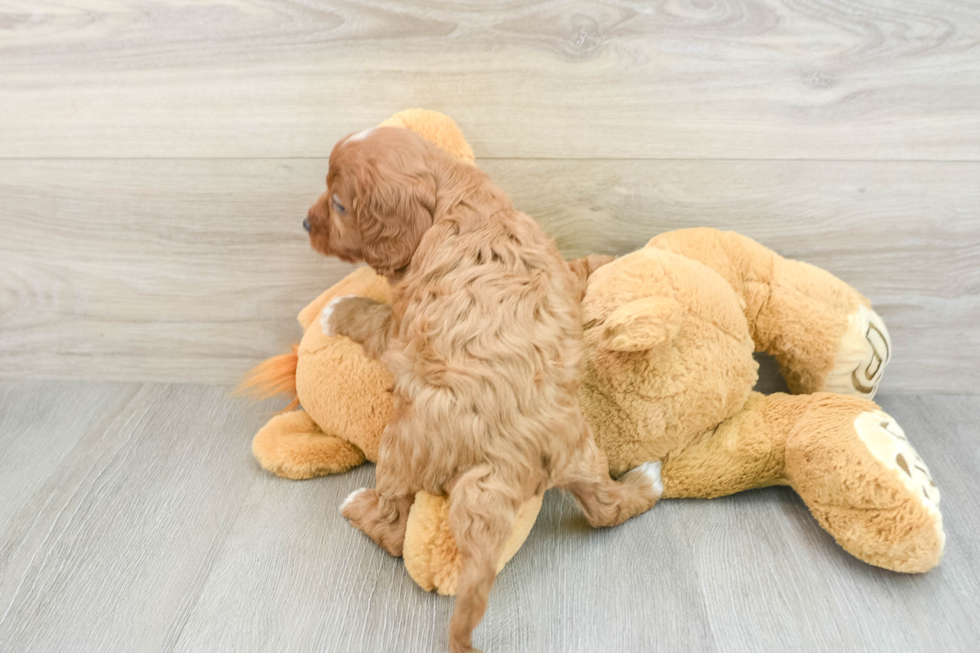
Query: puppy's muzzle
[(306, 224)]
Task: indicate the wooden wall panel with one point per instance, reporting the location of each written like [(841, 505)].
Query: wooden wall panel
[(192, 270), (841, 79)]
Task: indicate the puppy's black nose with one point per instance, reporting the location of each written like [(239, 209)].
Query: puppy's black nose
[(306, 224)]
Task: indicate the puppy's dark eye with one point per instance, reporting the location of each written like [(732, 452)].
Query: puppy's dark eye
[(337, 205)]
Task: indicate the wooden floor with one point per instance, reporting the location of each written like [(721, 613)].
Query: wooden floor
[(134, 519)]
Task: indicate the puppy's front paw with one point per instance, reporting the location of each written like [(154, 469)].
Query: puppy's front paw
[(330, 317)]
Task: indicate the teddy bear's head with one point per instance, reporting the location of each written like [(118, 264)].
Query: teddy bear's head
[(668, 355), (339, 386)]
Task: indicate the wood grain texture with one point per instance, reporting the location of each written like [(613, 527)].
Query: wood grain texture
[(151, 529), (840, 79), (57, 416), (187, 270), (108, 553)]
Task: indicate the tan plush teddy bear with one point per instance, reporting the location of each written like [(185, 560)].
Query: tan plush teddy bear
[(669, 333)]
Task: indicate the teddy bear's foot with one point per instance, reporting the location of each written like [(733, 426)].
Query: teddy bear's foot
[(862, 355), (866, 485), (886, 441), (291, 445), (431, 556), (917, 518), (384, 521)]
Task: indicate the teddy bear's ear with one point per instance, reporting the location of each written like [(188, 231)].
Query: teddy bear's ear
[(436, 128), (642, 324)]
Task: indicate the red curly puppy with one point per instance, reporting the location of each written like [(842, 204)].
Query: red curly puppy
[(483, 341)]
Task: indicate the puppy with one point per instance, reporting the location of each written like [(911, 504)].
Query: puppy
[(484, 342)]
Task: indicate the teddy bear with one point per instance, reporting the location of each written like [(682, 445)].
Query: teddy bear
[(669, 333)]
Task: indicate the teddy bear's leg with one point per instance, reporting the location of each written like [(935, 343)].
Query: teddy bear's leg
[(291, 445), (850, 462), (823, 333), (431, 556), (854, 467), (743, 452)]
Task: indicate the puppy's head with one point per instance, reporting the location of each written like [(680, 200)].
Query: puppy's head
[(381, 194)]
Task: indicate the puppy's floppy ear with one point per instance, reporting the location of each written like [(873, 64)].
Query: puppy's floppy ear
[(393, 211)]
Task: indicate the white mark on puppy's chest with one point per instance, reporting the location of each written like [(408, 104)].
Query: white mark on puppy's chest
[(359, 136)]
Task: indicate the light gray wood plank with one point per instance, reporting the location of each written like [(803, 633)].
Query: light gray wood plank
[(157, 532), (752, 572), (193, 271), (293, 576), (154, 269), (843, 79), (39, 426), (110, 551)]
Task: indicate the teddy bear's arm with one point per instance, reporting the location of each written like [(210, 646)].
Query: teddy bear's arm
[(822, 332)]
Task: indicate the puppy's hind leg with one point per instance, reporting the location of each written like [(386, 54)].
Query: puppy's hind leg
[(481, 514), (381, 512), (604, 501), (383, 519)]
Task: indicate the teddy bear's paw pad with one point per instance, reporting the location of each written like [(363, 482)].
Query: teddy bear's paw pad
[(863, 353), (326, 323), (886, 441)]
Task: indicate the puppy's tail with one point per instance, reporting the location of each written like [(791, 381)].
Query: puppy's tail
[(273, 376)]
